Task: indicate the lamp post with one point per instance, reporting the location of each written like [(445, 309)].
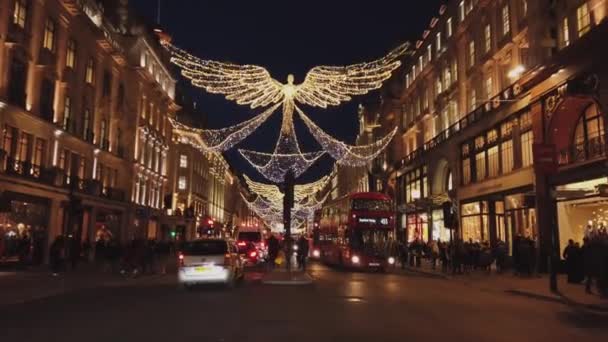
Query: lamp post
[(288, 194)]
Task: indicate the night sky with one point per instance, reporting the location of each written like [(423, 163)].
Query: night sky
[(288, 37)]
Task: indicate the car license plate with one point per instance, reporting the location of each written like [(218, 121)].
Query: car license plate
[(201, 269), (374, 264)]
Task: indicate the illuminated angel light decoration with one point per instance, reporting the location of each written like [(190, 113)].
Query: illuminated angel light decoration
[(220, 140), (300, 191), (323, 86)]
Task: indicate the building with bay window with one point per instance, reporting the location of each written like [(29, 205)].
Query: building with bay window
[(503, 118)]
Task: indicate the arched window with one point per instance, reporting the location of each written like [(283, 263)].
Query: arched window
[(589, 135)]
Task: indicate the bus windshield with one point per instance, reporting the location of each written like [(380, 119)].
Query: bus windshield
[(371, 204), (370, 241)]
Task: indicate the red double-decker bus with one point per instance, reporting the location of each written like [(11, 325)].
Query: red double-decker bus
[(356, 231)]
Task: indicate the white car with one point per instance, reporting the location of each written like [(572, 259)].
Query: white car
[(209, 261)]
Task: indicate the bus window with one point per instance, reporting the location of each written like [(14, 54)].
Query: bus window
[(371, 205)]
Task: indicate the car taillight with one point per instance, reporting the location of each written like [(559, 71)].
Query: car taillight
[(253, 254), (241, 243), (181, 259)]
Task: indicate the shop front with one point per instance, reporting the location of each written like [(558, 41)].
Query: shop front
[(582, 207), (417, 226), (438, 231), (499, 217), (24, 228), (107, 225)]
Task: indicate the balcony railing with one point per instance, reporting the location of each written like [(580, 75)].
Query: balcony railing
[(27, 170), (482, 111), (588, 150)]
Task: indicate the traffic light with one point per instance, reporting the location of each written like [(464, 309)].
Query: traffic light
[(173, 234)]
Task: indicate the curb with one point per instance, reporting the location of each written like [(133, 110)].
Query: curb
[(558, 298)]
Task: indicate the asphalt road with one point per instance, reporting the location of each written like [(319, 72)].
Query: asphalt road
[(340, 306)]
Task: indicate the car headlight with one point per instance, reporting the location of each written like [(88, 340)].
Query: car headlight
[(295, 247), (355, 259), (391, 260), (316, 253)]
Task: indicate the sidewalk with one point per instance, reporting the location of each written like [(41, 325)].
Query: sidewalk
[(536, 287)]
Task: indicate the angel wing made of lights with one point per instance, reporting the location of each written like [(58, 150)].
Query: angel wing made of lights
[(253, 85)]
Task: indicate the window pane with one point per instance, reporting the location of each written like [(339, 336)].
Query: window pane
[(480, 164), (507, 156), (526, 148), (493, 164), (466, 171)]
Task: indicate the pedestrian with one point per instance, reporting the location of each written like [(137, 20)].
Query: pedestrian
[(74, 251), (273, 250), (23, 250), (57, 255), (302, 252), (443, 256), (578, 264), (500, 254), (402, 246), (434, 253), (570, 255), (592, 259), (148, 256), (162, 255)]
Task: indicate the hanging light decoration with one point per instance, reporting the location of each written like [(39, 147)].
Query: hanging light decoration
[(323, 86), (268, 202), (346, 154), (219, 140), (252, 85)]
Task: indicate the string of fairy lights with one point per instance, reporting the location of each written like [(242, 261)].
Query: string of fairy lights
[(252, 85), (268, 201)]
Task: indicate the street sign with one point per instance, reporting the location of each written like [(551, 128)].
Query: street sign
[(545, 158)]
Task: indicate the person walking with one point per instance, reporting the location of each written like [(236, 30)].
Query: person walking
[(273, 250), (302, 252), (500, 254), (569, 255), (57, 255), (162, 252), (402, 246), (590, 259), (434, 253), (23, 250), (443, 255)]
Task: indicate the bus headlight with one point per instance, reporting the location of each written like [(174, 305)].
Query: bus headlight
[(355, 259), (316, 253), (391, 260)]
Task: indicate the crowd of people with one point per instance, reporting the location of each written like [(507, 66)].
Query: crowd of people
[(138, 256), (277, 254), (461, 257), (588, 262)]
